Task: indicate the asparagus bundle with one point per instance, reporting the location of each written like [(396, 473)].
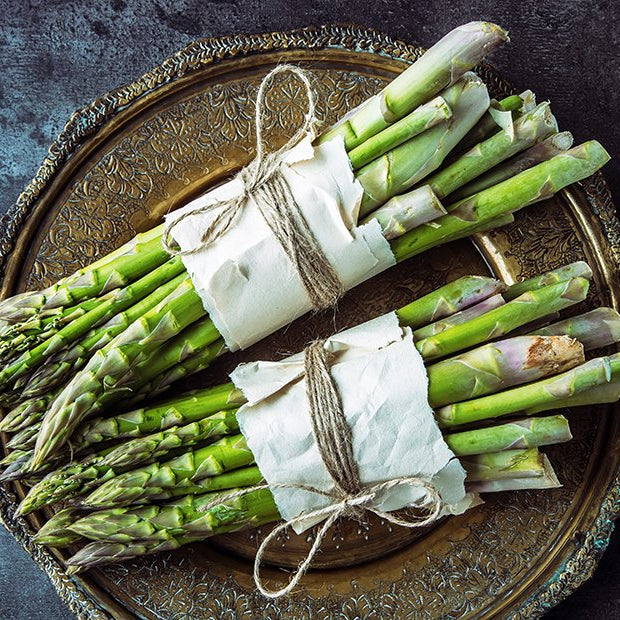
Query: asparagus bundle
[(498, 457), (395, 141)]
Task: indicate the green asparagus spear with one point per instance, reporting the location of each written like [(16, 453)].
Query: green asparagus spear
[(448, 299), (424, 117), (518, 434), (459, 317), (547, 481), (26, 413), (595, 329), (460, 50), (407, 211), (547, 393), (494, 367), (503, 465), (139, 485), (542, 151), (174, 412), (579, 269)]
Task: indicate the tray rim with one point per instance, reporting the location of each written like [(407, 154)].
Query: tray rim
[(86, 121)]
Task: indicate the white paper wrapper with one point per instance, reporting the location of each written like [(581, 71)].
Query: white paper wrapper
[(382, 382), (247, 283)]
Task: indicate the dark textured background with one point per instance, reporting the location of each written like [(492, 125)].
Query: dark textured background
[(57, 55)]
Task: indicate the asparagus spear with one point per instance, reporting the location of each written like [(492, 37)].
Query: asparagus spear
[(495, 118), (189, 524), (12, 457), (533, 185), (26, 413), (548, 393), (407, 211), (404, 166), (24, 439), (499, 365), (189, 408), (525, 433), (460, 50), (133, 260), (448, 299), (112, 366), (495, 323), (547, 481), (18, 337), (595, 329), (597, 395), (424, 117), (542, 151), (141, 449), (502, 465), (56, 533), (579, 269), (196, 362), (527, 130), (459, 317)]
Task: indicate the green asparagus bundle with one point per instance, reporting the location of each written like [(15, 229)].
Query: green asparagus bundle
[(480, 371), (466, 291), (495, 458), (82, 396)]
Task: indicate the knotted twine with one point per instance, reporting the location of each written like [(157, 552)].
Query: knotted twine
[(349, 498), (263, 182)]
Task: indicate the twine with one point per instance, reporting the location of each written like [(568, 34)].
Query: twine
[(349, 498), (262, 180)]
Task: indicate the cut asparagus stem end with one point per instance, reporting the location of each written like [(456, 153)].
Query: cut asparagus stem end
[(595, 329), (407, 211), (579, 269), (548, 481)]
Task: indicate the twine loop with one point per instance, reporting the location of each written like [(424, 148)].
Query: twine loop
[(262, 181), (349, 498)]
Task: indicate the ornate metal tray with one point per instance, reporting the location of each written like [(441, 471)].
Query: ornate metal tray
[(148, 147)]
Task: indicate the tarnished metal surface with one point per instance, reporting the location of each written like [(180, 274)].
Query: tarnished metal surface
[(152, 145)]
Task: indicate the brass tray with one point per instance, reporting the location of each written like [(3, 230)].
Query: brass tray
[(150, 146)]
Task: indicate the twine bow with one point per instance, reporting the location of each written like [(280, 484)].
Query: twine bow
[(263, 182), (350, 498)]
